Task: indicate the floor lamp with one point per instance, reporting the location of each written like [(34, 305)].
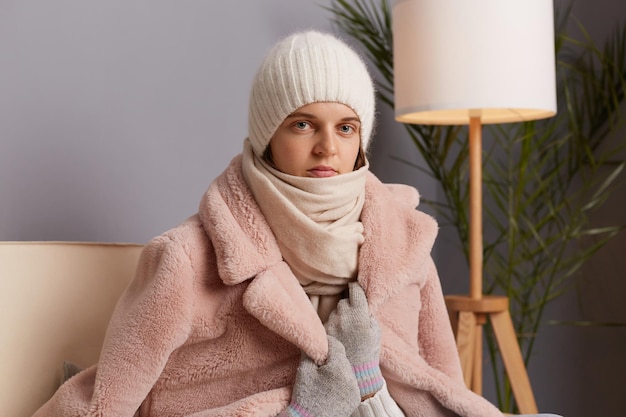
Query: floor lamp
[(476, 62)]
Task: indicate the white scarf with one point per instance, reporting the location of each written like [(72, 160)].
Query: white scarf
[(316, 223)]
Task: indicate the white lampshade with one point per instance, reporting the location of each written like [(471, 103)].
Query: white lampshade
[(456, 59)]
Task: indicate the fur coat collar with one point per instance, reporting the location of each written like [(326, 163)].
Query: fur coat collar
[(238, 230)]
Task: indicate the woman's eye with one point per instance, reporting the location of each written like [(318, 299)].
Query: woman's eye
[(301, 125), (346, 129)]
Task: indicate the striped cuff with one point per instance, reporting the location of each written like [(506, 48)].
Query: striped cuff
[(369, 377)]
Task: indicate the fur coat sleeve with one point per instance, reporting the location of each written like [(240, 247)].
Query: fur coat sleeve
[(154, 304)]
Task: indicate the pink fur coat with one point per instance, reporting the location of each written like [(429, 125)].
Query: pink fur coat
[(214, 322)]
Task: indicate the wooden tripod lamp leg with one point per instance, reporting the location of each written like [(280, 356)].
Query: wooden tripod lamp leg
[(513, 361), (477, 376), (466, 345)]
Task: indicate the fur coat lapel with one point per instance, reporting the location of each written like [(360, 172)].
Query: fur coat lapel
[(247, 250), (397, 239)]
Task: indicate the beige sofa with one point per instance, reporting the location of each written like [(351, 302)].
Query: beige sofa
[(55, 301)]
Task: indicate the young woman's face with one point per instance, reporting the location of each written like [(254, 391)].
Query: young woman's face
[(318, 140)]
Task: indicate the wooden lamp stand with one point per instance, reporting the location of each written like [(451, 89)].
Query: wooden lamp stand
[(468, 313)]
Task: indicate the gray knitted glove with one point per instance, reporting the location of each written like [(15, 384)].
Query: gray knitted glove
[(359, 332), (329, 390)]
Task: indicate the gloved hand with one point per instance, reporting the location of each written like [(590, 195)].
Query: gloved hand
[(329, 390), (359, 332)]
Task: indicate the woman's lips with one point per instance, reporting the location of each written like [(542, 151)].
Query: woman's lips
[(322, 171)]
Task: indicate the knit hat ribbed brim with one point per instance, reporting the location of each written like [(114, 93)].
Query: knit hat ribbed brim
[(305, 68)]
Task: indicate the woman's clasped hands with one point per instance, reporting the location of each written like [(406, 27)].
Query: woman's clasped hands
[(351, 373)]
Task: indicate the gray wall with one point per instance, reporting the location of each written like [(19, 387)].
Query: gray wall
[(115, 116)]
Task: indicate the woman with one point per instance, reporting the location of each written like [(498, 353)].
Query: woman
[(302, 287)]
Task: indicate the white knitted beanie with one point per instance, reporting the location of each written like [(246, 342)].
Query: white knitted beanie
[(304, 68)]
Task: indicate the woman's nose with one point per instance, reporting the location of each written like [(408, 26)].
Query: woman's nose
[(326, 144)]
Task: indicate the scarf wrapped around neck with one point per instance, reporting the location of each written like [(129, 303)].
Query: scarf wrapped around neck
[(316, 224)]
